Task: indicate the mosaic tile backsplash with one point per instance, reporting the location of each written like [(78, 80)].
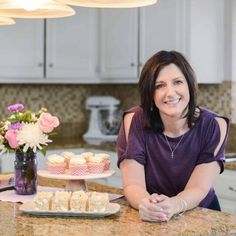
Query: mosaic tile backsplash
[(68, 102)]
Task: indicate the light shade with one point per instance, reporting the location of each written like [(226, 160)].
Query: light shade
[(109, 3), (34, 9), (6, 21)]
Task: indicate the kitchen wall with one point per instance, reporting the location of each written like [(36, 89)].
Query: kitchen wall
[(68, 102)]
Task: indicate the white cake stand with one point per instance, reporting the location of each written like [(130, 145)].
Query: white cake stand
[(75, 182)]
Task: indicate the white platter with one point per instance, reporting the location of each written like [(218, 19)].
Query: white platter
[(67, 176), (28, 207)]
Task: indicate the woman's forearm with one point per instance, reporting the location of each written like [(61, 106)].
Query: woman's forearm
[(189, 199), (135, 194)]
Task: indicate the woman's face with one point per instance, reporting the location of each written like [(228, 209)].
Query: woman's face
[(171, 94)]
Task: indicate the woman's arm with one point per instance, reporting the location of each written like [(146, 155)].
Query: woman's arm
[(200, 182), (133, 181), (132, 172), (204, 175)]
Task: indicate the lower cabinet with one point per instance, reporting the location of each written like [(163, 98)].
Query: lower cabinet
[(225, 187)]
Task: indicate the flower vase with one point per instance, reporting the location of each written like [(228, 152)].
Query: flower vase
[(25, 173)]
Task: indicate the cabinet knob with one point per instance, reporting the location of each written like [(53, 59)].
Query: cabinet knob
[(40, 64), (132, 64), (50, 65), (232, 189)]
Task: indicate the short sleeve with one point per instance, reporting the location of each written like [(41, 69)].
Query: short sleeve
[(209, 141), (134, 148)]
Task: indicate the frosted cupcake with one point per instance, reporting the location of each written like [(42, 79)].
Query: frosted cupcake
[(67, 156), (86, 155), (96, 165), (106, 159), (56, 164), (78, 166)]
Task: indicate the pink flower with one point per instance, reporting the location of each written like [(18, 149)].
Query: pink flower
[(47, 122), (10, 136)]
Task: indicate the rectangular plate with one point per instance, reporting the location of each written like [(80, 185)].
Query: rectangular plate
[(28, 208)]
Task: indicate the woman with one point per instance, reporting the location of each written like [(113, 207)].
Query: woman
[(170, 150)]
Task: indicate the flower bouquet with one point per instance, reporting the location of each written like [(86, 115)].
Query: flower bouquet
[(25, 132)]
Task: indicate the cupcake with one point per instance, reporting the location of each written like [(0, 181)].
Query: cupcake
[(96, 165), (86, 155), (67, 156), (106, 159), (56, 164), (78, 166)]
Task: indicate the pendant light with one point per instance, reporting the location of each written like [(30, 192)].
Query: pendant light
[(109, 3), (34, 9), (6, 21)]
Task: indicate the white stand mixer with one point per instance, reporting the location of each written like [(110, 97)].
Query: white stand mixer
[(101, 128)]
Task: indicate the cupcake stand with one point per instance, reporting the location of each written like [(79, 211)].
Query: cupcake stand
[(75, 182)]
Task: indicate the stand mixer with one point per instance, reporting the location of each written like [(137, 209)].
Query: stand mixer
[(104, 119)]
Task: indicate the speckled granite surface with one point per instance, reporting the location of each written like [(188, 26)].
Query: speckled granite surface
[(195, 222)]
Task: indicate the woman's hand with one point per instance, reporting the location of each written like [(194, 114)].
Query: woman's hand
[(151, 210), (157, 208)]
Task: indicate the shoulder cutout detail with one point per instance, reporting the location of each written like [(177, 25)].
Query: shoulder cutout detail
[(223, 130)]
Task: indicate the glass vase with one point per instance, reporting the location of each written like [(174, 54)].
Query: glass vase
[(25, 173)]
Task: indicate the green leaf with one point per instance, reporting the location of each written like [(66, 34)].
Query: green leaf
[(43, 151)]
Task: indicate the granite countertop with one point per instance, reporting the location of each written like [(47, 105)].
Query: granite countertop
[(198, 221)]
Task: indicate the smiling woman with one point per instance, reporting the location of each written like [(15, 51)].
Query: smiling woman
[(169, 145)]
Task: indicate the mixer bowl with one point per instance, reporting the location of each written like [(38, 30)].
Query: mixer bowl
[(109, 122)]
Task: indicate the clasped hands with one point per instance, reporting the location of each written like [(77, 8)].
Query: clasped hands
[(157, 208)]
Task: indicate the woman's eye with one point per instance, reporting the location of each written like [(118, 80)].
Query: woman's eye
[(158, 86), (178, 82)]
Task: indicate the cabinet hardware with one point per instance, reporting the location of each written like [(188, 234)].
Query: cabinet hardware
[(232, 189), (50, 65), (132, 64)]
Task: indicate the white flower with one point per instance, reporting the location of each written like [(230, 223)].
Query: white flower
[(12, 116), (6, 124), (33, 117), (31, 136)]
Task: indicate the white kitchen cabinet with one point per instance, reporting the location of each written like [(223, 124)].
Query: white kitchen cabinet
[(225, 187), (119, 55), (205, 43), (71, 44), (130, 36), (160, 28), (193, 27), (21, 51), (62, 50), (111, 45)]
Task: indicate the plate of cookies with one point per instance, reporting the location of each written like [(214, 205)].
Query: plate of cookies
[(66, 203)]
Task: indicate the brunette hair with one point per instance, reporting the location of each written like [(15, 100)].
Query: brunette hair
[(147, 81)]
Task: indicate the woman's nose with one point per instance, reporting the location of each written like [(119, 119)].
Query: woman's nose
[(170, 90)]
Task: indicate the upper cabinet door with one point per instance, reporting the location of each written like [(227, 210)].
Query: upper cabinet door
[(119, 45), (160, 26), (71, 44), (206, 42), (21, 51)]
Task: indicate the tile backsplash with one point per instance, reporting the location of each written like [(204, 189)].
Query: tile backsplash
[(68, 101)]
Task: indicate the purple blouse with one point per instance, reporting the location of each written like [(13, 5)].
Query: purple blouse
[(163, 174)]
